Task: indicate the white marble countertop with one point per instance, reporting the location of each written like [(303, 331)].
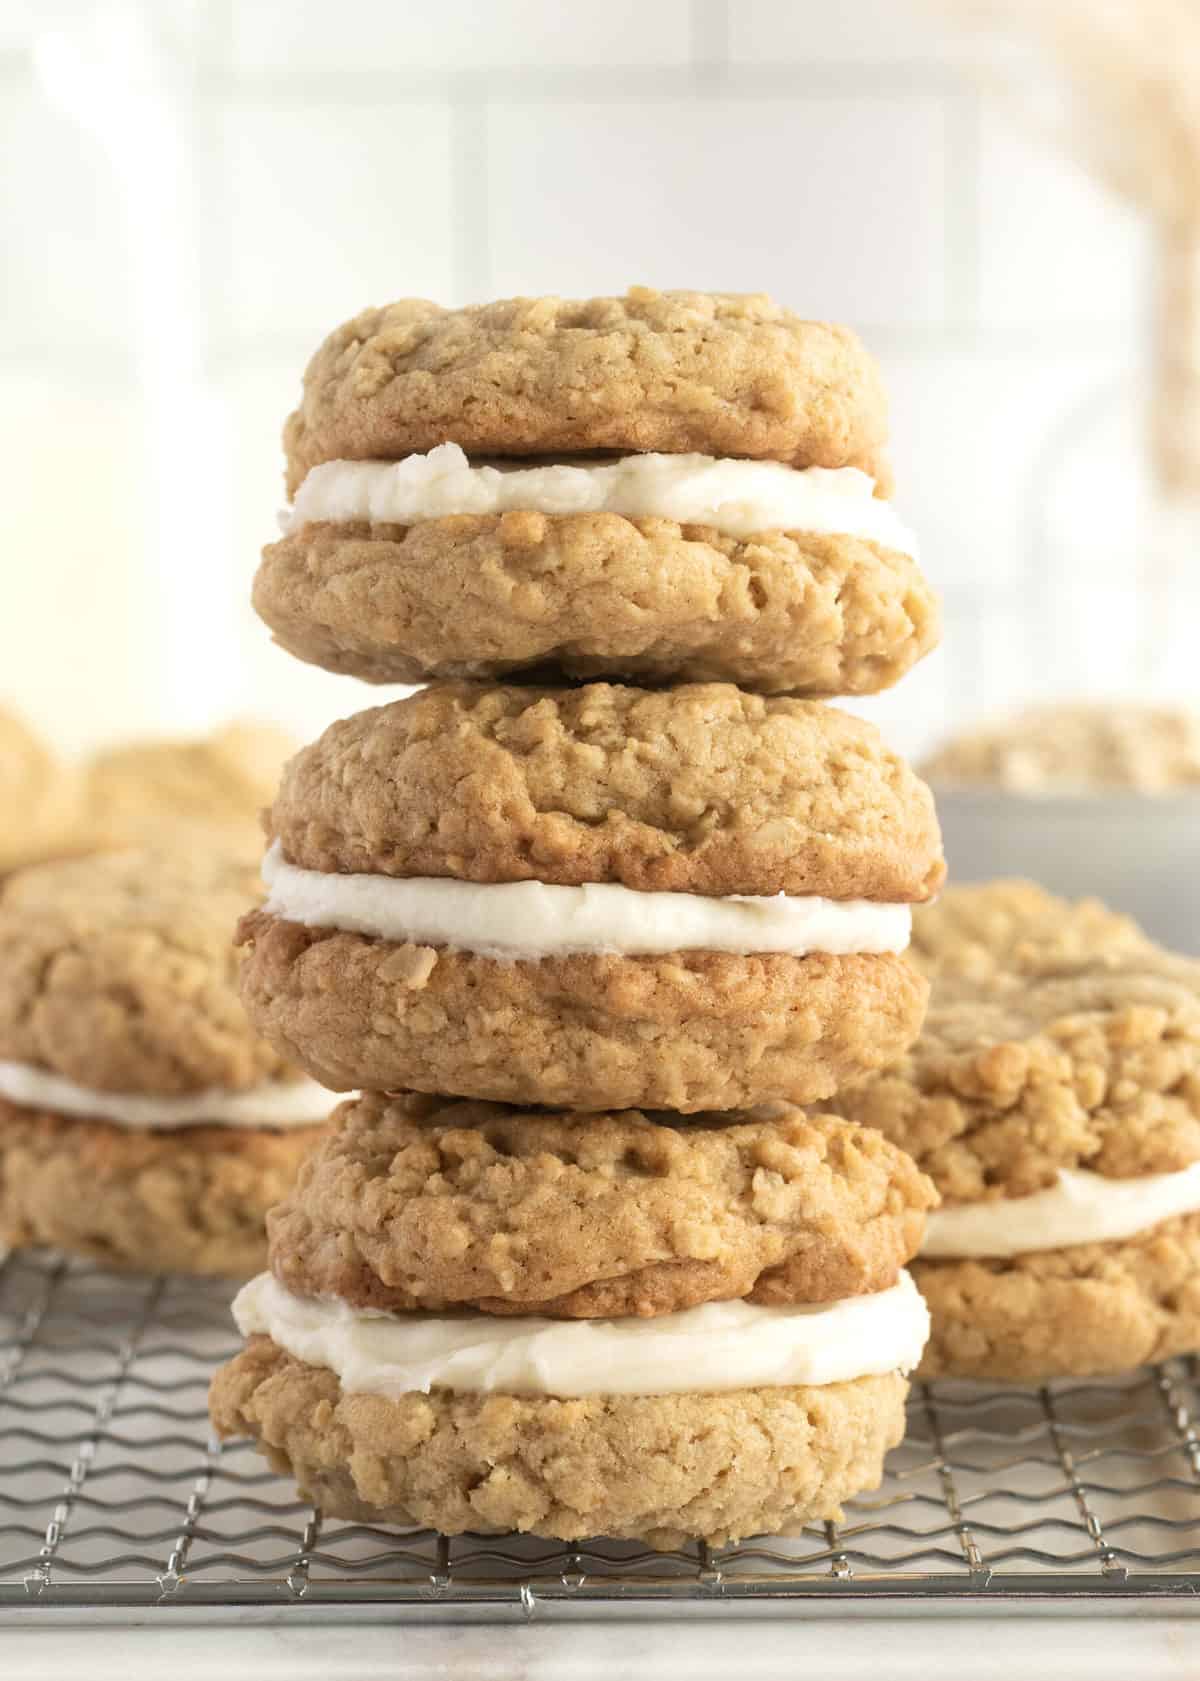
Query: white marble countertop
[(983, 1649)]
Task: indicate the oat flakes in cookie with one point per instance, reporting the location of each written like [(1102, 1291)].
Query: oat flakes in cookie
[(482, 1318), (668, 486), (142, 1121), (596, 898), (1054, 1099), (424, 1204)]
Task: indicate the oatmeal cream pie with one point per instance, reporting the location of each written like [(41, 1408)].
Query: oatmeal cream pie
[(1054, 1100), (725, 1421), (142, 1122), (669, 486), (599, 898), (689, 1330), (415, 1202)]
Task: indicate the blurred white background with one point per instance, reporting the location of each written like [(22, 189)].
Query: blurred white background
[(194, 194)]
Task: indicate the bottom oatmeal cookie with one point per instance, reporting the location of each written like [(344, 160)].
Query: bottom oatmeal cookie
[(194, 1200), (663, 1469), (1076, 1312)]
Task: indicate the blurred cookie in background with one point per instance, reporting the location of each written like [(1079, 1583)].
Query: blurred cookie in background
[(161, 793), (39, 797), (1086, 798), (143, 1124), (1075, 747)]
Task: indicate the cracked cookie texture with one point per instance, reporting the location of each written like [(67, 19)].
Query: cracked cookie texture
[(1079, 1312), (421, 1203), (597, 595), (699, 789), (717, 373), (662, 1469), (692, 1030), (1057, 1036)]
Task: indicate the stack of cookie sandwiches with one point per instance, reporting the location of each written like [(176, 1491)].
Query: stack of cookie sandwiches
[(143, 1124), (1054, 1099), (585, 920)]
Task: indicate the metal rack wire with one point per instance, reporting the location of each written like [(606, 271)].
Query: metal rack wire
[(114, 1496)]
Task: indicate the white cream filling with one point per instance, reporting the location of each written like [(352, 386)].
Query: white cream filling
[(279, 1107), (531, 920), (739, 498), (1081, 1208), (720, 1346)]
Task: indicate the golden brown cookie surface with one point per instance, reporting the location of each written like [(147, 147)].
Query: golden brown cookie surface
[(118, 973), (39, 798), (191, 1200), (1058, 1036), (663, 1469), (422, 1203), (1077, 1312), (205, 791), (597, 595), (718, 373), (689, 1031), (699, 789)]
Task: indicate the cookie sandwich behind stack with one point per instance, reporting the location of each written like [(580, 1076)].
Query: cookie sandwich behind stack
[(143, 1123), (625, 1287), (1054, 1099)]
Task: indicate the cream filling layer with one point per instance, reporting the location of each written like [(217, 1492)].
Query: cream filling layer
[(720, 1346), (279, 1107), (1081, 1207), (738, 498), (531, 920)]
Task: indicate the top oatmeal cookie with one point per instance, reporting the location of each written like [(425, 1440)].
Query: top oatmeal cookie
[(719, 373), (700, 789), (118, 973), (1058, 1037)]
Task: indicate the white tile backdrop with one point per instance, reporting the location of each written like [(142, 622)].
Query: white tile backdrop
[(340, 152)]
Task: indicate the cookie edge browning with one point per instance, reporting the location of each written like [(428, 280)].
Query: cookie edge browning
[(413, 1204), (508, 596), (702, 788), (561, 376), (1086, 1311), (490, 1463), (338, 1004)]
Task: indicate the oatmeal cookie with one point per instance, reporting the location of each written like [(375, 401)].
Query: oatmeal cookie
[(415, 1202), (700, 789), (178, 794), (1057, 1037), (39, 798), (1077, 1312), (193, 1200), (663, 1469), (717, 373), (597, 595), (693, 1030), (118, 973)]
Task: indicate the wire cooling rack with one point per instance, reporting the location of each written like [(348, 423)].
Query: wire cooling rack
[(114, 1498)]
